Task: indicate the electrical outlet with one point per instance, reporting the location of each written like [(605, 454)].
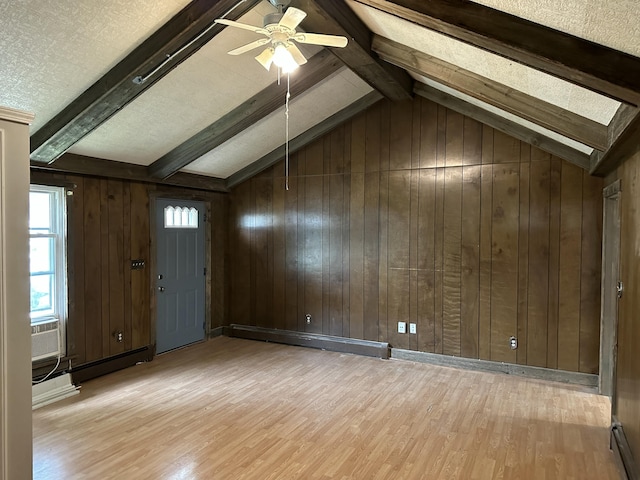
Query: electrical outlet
[(513, 343), (402, 327), (308, 318), (413, 328)]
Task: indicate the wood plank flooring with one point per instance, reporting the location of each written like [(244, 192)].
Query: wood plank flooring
[(239, 409)]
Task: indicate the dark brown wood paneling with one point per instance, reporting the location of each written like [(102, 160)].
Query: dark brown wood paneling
[(398, 254), (262, 274), (554, 261), (523, 254), (400, 135), (470, 262), (428, 133), (140, 295), (240, 243), (504, 260), (92, 270), (426, 258), (538, 256), (291, 254), (105, 258), (384, 324), (370, 255), (451, 261), (278, 242), (438, 263), (115, 264), (427, 217), (591, 267), (569, 273), (126, 269)]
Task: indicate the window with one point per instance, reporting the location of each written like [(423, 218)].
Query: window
[(47, 258), (180, 217)]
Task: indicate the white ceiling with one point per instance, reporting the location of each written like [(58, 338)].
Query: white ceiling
[(53, 50)]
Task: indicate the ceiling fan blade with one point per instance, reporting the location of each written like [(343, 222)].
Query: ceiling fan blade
[(266, 58), (321, 39), (296, 54), (292, 18), (231, 23), (250, 46)]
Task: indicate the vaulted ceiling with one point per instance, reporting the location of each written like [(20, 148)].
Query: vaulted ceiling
[(145, 90)]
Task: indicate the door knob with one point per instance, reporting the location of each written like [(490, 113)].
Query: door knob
[(161, 289)]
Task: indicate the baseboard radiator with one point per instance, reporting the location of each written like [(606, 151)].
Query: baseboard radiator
[(107, 365), (622, 451), (314, 340), (46, 340)]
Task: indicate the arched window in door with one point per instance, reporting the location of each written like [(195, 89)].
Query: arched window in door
[(180, 217)]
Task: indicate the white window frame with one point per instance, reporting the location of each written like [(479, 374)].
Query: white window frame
[(58, 214)]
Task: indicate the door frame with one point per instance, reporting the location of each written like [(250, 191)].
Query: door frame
[(153, 260), (609, 301)]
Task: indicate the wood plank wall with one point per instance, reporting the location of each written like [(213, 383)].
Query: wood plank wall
[(109, 224), (628, 368), (412, 212)]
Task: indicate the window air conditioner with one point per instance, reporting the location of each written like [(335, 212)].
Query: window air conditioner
[(45, 339)]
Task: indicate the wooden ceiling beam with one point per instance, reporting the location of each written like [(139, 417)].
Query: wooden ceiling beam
[(98, 167), (334, 17), (305, 138), (547, 115), (623, 141), (493, 120), (596, 67), (319, 67), (117, 87)]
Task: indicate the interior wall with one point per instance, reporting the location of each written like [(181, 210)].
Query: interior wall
[(108, 226), (628, 367), (412, 212)]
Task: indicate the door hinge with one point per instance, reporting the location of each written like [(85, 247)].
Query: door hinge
[(619, 289)]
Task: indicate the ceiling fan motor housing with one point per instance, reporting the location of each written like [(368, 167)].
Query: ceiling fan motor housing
[(272, 19), (280, 4)]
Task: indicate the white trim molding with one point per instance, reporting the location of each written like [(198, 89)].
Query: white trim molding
[(15, 335)]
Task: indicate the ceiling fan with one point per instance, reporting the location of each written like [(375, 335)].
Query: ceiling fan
[(280, 31)]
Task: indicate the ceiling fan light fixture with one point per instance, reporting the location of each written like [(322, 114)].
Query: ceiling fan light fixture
[(283, 58)]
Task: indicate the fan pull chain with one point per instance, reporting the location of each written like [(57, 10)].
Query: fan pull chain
[(286, 145)]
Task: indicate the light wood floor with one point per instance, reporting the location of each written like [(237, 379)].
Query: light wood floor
[(238, 409)]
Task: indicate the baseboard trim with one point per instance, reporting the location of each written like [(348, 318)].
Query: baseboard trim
[(313, 340), (622, 452), (216, 332), (91, 370), (563, 376)]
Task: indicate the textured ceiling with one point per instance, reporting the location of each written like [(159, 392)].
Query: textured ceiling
[(325, 99), (537, 84), (53, 50), (200, 91), (613, 23)]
